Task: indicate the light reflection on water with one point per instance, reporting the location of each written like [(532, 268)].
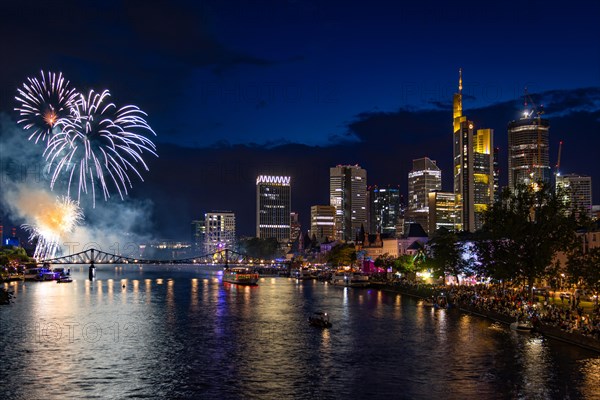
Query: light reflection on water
[(177, 333)]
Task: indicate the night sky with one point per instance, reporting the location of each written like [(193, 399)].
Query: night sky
[(234, 89)]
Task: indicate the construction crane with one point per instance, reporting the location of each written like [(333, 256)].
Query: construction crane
[(557, 166)]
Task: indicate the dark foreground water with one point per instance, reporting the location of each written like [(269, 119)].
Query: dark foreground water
[(179, 332)]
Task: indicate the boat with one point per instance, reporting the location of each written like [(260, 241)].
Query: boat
[(240, 276), (522, 326), (304, 274), (442, 302), (429, 302), (320, 320), (350, 279), (64, 279), (62, 272), (32, 274)]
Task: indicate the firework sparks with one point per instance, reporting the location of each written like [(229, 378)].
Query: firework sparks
[(51, 224), (43, 102), (99, 145)]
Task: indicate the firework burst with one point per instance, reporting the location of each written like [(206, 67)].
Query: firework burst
[(52, 224), (42, 103), (99, 145)]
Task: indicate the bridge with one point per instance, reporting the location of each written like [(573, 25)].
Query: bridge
[(92, 257)]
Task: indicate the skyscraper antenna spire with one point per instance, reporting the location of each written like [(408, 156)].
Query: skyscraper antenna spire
[(460, 80)]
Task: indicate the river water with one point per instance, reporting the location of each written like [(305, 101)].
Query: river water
[(179, 332)]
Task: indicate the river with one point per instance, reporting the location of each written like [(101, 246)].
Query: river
[(179, 332)]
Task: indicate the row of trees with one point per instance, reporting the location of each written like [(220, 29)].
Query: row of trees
[(522, 234)]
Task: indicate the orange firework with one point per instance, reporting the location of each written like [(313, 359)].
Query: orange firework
[(43, 102), (50, 117)]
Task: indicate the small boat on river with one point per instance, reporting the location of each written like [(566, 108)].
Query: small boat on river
[(320, 320), (522, 326), (240, 276)]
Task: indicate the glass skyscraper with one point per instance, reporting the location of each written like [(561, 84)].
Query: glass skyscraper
[(273, 204)]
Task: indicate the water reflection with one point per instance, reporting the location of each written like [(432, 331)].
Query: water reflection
[(191, 335)]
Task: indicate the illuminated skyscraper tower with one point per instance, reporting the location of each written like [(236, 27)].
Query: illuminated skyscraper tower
[(528, 159), (473, 167), (348, 194), (425, 177), (273, 204)]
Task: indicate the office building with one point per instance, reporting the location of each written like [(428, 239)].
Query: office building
[(473, 167), (219, 231), (198, 231), (322, 222), (348, 194), (385, 208), (273, 204), (578, 190), (442, 211), (295, 226), (424, 177)]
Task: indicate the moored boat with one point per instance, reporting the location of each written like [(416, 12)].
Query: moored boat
[(522, 326), (240, 276), (350, 279)]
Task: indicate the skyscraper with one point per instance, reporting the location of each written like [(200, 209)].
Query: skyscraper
[(424, 177), (295, 226), (348, 194), (219, 231), (528, 159), (322, 222), (273, 204), (473, 167), (442, 211), (198, 232), (578, 190), (385, 207)]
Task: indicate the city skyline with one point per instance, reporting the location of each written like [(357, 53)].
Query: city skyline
[(372, 86)]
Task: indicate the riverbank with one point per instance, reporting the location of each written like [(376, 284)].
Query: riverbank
[(548, 330)]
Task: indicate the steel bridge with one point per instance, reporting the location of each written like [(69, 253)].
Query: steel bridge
[(92, 257)]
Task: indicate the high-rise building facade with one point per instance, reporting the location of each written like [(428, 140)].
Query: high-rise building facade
[(473, 167), (496, 174), (385, 207), (295, 226), (528, 149), (442, 211), (348, 194), (198, 231), (578, 189), (424, 177), (273, 204), (322, 222), (219, 231)]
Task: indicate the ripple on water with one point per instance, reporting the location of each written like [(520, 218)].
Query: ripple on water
[(186, 339)]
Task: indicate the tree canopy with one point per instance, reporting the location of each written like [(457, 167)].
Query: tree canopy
[(523, 232)]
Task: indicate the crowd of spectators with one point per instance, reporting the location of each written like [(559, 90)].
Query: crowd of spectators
[(569, 315)]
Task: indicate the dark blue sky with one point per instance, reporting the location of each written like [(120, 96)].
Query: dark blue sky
[(292, 86)]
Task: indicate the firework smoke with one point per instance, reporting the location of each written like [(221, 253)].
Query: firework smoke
[(44, 102)]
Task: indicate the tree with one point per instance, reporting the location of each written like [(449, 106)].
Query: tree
[(445, 254), (384, 261), (585, 267), (523, 231), (342, 254)]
